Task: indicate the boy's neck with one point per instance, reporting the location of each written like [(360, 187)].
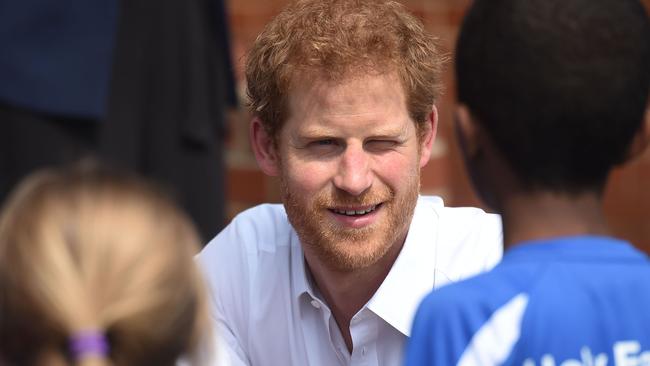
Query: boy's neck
[(543, 215)]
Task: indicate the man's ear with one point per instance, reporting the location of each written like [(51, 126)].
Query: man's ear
[(467, 132), (642, 138), (429, 137), (264, 148)]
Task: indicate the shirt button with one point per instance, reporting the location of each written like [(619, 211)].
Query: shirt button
[(315, 304)]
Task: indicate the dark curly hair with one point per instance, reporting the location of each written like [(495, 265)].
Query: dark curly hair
[(561, 86)]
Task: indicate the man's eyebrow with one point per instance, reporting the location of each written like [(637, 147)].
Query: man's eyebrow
[(313, 132), (378, 131), (390, 131)]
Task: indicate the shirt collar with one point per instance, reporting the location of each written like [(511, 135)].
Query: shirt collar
[(301, 284), (408, 281), (412, 274)]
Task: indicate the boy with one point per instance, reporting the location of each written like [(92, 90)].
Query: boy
[(554, 94)]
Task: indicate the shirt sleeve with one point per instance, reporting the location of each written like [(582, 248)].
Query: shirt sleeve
[(224, 263), (228, 351)]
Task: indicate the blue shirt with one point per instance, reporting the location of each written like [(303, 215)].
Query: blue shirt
[(581, 300)]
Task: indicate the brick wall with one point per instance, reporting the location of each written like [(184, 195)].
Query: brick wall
[(627, 200)]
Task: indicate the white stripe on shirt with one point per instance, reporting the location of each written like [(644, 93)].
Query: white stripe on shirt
[(493, 342)]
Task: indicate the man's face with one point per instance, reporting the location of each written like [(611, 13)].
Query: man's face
[(350, 160)]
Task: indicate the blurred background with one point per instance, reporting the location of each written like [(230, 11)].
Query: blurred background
[(157, 87), (627, 201)]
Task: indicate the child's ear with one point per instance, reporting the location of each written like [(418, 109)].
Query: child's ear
[(429, 137), (467, 132), (642, 138)]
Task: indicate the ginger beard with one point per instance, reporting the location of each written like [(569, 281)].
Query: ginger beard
[(343, 248)]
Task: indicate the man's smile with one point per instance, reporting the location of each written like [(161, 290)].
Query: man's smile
[(355, 211)]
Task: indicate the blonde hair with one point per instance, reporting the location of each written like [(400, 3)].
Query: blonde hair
[(86, 249), (333, 40)]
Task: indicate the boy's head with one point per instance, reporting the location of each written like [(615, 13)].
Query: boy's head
[(559, 87)]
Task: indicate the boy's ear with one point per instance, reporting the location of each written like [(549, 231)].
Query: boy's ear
[(467, 131), (264, 148), (642, 138), (429, 137)]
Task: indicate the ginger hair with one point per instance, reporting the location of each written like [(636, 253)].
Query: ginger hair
[(84, 248), (337, 39)]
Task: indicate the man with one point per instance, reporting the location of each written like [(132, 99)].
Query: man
[(554, 94), (342, 94)]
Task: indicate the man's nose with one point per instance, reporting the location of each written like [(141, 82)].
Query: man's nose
[(354, 175)]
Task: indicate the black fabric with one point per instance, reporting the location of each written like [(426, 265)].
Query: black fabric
[(170, 82), (222, 32), (166, 107), (31, 140)]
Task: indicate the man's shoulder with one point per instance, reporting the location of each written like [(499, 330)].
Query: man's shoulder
[(456, 219), (259, 228), (247, 258), (471, 226), (267, 216), (260, 233), (468, 240)]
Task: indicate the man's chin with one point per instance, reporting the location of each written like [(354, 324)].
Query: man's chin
[(350, 256)]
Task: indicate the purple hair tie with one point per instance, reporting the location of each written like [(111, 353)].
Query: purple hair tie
[(87, 343)]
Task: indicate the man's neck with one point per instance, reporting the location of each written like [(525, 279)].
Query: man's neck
[(546, 215), (346, 292)]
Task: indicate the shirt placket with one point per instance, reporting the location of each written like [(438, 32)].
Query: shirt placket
[(363, 329), (336, 341)]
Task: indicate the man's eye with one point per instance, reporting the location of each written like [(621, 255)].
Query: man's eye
[(323, 146), (381, 144), (325, 142)]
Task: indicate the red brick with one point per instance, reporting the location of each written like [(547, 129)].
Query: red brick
[(247, 185)]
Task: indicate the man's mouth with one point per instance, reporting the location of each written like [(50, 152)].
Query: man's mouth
[(355, 211)]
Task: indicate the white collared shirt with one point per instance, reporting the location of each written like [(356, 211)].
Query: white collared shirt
[(268, 312)]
